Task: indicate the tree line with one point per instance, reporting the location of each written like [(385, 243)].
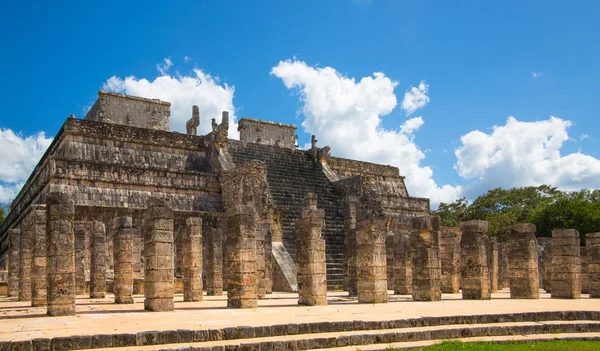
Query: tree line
[(545, 206)]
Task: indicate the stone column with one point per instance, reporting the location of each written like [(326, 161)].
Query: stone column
[(548, 266), (450, 260), (424, 242), (542, 247), (523, 262), (25, 254), (214, 258), (311, 269), (389, 259), (99, 260), (14, 237), (503, 276), (593, 246), (475, 275), (241, 256), (37, 227), (566, 264), (192, 260), (80, 228), (402, 263), (123, 258), (350, 268), (261, 266), (585, 262), (492, 253), (158, 256), (370, 260), (60, 264)]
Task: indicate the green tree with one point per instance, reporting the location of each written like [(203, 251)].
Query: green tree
[(453, 213), (2, 215)]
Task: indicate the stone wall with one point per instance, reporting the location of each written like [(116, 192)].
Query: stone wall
[(267, 133), (130, 111)]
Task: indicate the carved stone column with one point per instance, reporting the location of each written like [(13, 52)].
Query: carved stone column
[(158, 254), (80, 234), (311, 269), (474, 261), (192, 260), (402, 263), (99, 260), (37, 227), (214, 258), (60, 241), (585, 262), (566, 264), (25, 254), (593, 246), (261, 265), (492, 252), (450, 260), (425, 250), (14, 237), (350, 268), (370, 260), (241, 256), (548, 266), (123, 258), (503, 276), (523, 262), (543, 246)]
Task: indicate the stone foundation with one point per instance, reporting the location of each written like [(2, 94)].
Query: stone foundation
[(123, 258), (566, 265), (310, 255), (475, 275), (424, 242), (158, 256), (60, 243), (523, 262), (192, 260)]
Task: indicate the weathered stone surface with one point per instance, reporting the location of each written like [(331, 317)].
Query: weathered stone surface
[(450, 259), (192, 260), (585, 277), (310, 255), (123, 258), (592, 242), (81, 228), (241, 256), (542, 247), (14, 236), (350, 268), (371, 260), (523, 262), (158, 256), (427, 275), (503, 276), (25, 254), (60, 264), (474, 261), (566, 265), (214, 257), (402, 263), (37, 229), (548, 266), (493, 263), (99, 258)]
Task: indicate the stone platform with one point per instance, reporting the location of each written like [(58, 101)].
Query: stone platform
[(124, 325)]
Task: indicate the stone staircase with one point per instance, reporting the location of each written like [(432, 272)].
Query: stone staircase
[(342, 335), (291, 174)]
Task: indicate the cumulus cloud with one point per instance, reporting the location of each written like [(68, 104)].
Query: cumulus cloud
[(198, 88), (18, 156), (346, 115), (522, 154), (415, 98)]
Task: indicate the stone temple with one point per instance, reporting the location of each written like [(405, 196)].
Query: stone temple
[(122, 153)]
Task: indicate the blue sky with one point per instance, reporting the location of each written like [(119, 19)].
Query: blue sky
[(303, 62)]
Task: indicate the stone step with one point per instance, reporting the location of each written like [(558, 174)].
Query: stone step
[(291, 337)]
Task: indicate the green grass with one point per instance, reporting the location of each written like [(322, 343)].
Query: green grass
[(556, 345)]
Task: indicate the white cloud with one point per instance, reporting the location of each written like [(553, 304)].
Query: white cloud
[(164, 68), (415, 98), (346, 115), (522, 154), (18, 156), (187, 59), (536, 75), (199, 88)]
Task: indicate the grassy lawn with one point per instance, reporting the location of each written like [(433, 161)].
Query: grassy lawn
[(557, 345)]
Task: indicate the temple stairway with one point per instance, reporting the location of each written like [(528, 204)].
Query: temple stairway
[(291, 174)]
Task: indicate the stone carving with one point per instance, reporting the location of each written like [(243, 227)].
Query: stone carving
[(99, 258), (191, 126), (523, 262), (123, 257), (310, 254), (60, 243), (192, 260), (566, 265), (158, 256), (424, 242), (213, 124), (475, 276)]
